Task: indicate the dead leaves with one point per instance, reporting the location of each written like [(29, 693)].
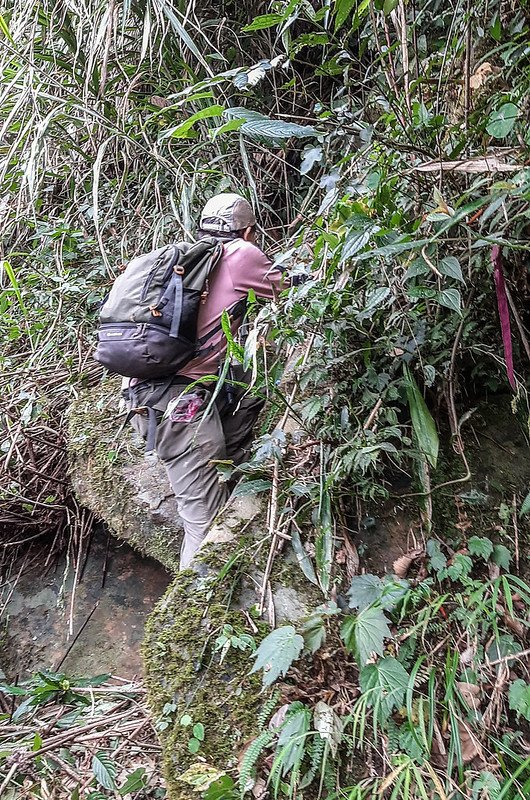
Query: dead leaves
[(402, 564)]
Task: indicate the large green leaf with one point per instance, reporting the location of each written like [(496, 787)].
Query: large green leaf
[(422, 421), (258, 126), (364, 590), (450, 266), (343, 9), (263, 22), (386, 683), (183, 130), (501, 121), (365, 633), (277, 652), (104, 770)]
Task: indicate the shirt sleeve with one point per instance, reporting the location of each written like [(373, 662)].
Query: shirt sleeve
[(251, 269)]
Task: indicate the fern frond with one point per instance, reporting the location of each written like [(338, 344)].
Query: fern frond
[(253, 752), (268, 708)]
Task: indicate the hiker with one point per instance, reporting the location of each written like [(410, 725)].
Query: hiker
[(188, 440)]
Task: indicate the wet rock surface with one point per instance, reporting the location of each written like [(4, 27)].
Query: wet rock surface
[(99, 629)]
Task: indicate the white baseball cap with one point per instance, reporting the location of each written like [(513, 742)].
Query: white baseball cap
[(227, 212)]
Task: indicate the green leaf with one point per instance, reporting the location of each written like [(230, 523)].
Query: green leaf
[(365, 633), (385, 683), (198, 731), (501, 556), (104, 770), (251, 487), (258, 126), (450, 266), (364, 590), (277, 652), (343, 9), (519, 698), (186, 720), (262, 22), (438, 561), (182, 131), (135, 781), (501, 121), (388, 6), (303, 558), (525, 508), (480, 546), (422, 421), (194, 745), (450, 298), (314, 633)]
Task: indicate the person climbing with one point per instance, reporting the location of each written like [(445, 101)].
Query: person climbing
[(192, 433)]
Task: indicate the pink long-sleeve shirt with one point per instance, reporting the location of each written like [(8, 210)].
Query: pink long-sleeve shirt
[(242, 267)]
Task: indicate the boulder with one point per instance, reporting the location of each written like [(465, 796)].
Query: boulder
[(112, 476)]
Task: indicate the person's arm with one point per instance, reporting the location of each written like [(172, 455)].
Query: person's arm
[(251, 269)]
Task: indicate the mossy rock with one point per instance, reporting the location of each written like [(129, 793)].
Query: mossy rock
[(184, 672), (111, 476)]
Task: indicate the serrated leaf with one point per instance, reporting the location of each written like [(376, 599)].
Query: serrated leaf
[(525, 508), (251, 487), (480, 546), (104, 770), (277, 652), (501, 556), (438, 560), (519, 698), (501, 121), (364, 590), (135, 781), (422, 421), (365, 633), (314, 633), (385, 683), (450, 267), (450, 298)]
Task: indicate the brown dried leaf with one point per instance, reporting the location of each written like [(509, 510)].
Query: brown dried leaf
[(158, 101), (469, 744), (402, 564), (480, 75), (470, 693)]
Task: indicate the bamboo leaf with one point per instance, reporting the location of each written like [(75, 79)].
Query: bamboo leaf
[(422, 421)]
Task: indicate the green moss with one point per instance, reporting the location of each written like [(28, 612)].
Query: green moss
[(182, 669), (99, 455)]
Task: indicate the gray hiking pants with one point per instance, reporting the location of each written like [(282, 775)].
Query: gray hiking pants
[(187, 450)]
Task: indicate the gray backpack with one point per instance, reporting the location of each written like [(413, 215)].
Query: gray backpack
[(148, 323)]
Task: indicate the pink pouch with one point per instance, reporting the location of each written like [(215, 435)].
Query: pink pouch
[(184, 407)]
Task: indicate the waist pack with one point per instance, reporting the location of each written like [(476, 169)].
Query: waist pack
[(148, 323)]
